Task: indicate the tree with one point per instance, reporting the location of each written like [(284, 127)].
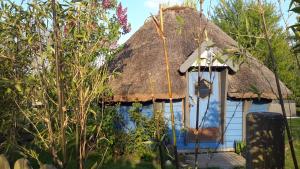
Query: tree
[(15, 61), (60, 49), (296, 28), (241, 21), (296, 39)]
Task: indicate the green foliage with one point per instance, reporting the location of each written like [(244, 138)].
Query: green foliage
[(30, 120), (295, 130), (296, 41), (142, 136), (15, 64), (240, 147), (241, 20)]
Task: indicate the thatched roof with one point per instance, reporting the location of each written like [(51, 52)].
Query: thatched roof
[(142, 66)]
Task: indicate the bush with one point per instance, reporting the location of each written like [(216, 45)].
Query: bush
[(142, 138)]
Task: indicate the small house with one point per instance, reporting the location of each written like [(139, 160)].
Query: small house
[(231, 85)]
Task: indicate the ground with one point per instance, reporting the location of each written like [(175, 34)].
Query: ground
[(295, 129), (228, 160)]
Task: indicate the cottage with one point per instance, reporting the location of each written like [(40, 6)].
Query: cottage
[(235, 85)]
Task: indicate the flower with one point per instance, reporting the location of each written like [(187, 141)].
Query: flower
[(106, 4), (122, 18), (122, 15)]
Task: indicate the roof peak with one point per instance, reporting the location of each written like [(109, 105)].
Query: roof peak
[(178, 8)]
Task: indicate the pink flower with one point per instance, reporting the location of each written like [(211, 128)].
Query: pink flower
[(122, 18), (122, 15), (106, 4)]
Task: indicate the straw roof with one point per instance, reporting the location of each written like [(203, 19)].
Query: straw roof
[(142, 64)]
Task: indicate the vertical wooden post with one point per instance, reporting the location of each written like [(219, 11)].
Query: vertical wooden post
[(223, 98), (160, 31), (187, 101), (246, 107), (169, 86)]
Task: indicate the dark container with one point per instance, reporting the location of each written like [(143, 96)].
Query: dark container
[(265, 140)]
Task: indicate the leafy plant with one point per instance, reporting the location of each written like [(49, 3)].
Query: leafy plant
[(141, 142), (54, 75), (142, 136), (240, 147)]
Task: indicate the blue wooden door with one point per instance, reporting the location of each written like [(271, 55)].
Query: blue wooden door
[(209, 117)]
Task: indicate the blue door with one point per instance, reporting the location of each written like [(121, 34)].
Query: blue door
[(209, 108)]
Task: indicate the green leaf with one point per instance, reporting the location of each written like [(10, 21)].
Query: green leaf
[(18, 87), (296, 46), (30, 40), (296, 9), (8, 90), (291, 4), (295, 25)]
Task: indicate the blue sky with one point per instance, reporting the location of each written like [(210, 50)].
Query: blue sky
[(140, 10)]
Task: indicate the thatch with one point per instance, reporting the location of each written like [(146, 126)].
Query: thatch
[(142, 66)]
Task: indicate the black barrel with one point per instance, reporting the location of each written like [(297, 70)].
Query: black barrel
[(265, 140)]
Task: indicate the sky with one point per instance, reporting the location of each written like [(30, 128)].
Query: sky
[(139, 10)]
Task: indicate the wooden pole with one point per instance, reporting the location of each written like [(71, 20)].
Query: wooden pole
[(160, 31), (271, 55), (169, 86)]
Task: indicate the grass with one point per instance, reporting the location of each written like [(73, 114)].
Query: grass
[(295, 129)]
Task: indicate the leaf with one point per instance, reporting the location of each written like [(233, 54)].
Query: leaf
[(8, 90), (148, 142), (18, 87), (93, 112), (296, 9), (295, 26), (30, 40), (162, 138), (247, 25), (291, 4), (296, 46)]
